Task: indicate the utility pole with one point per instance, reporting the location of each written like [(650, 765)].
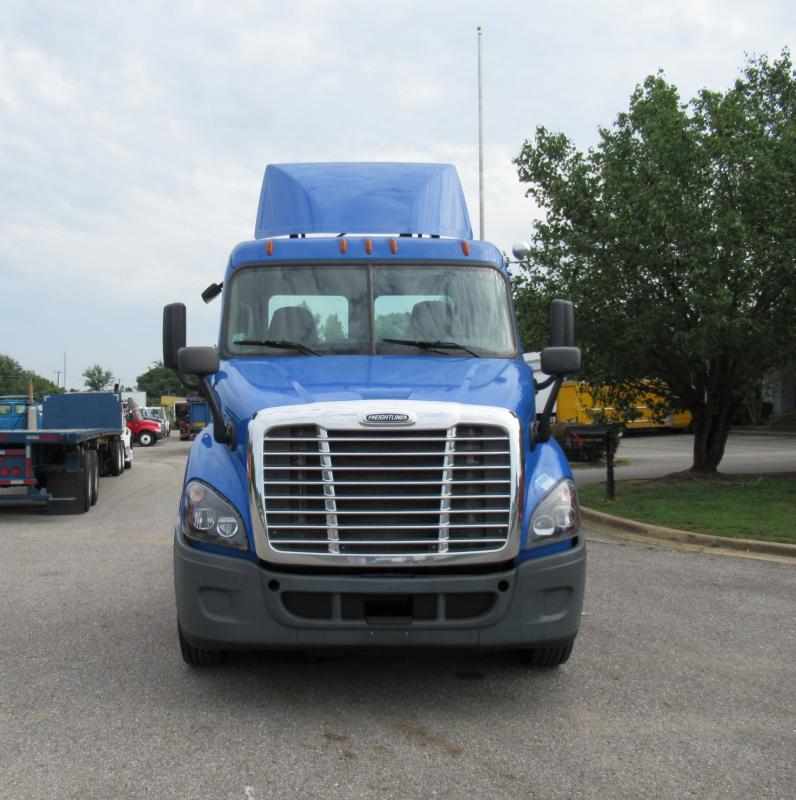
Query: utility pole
[(58, 377), (64, 370), (481, 233)]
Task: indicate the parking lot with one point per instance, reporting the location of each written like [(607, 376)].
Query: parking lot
[(680, 686)]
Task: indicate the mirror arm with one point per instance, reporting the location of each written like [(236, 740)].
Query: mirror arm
[(543, 425), (186, 381), (539, 385), (223, 431)]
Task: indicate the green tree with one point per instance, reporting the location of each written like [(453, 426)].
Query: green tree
[(96, 378), (333, 329), (675, 238), (14, 379), (393, 325), (159, 380)]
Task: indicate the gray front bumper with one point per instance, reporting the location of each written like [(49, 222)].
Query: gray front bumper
[(229, 603)]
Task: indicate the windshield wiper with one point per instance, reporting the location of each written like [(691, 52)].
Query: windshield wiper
[(284, 343), (423, 345)]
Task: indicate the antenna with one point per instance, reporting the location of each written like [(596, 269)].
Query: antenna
[(480, 145)]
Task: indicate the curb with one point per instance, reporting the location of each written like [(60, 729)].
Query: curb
[(748, 432), (608, 522)]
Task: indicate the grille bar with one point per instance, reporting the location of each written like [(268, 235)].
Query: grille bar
[(335, 439), (426, 511), (422, 453), (368, 468), (431, 526), (384, 483), (388, 542), (427, 497)]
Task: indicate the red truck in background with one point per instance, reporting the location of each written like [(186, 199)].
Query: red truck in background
[(144, 431)]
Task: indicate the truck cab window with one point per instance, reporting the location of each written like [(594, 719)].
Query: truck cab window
[(393, 314), (328, 315), (330, 309)]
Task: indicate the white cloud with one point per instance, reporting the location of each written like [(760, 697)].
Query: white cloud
[(133, 137)]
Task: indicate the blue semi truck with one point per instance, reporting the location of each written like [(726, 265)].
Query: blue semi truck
[(55, 456), (375, 474)]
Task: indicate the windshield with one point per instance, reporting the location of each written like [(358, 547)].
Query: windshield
[(331, 309)]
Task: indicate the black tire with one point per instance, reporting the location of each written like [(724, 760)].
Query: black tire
[(116, 458), (198, 656), (146, 438), (86, 478), (547, 657), (94, 476)]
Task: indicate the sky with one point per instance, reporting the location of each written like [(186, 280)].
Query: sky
[(133, 136)]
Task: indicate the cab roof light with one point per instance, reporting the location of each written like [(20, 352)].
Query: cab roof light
[(269, 247), (393, 246), (465, 247), (343, 246), (368, 246)]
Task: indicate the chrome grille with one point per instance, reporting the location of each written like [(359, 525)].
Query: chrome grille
[(387, 492)]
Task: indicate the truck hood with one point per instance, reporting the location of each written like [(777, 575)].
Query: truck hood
[(247, 386)]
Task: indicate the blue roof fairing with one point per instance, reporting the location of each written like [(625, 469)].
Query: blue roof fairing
[(362, 198)]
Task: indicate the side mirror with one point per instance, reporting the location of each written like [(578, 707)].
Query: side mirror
[(562, 324), (173, 333), (561, 360), (198, 360)]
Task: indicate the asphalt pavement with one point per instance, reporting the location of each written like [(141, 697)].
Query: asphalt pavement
[(680, 685)]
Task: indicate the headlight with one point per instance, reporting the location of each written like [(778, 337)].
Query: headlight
[(208, 517), (557, 513)]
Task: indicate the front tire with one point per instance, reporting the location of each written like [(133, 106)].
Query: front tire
[(146, 438), (198, 656), (547, 657)]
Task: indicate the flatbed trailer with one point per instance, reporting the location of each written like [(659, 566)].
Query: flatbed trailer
[(60, 466)]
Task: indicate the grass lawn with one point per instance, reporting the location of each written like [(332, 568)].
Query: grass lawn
[(740, 506)]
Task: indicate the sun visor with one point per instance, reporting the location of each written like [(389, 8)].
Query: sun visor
[(362, 198)]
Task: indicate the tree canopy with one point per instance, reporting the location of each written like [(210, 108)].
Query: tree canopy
[(14, 379), (675, 238), (157, 381), (97, 378)]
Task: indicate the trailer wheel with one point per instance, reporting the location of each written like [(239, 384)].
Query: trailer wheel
[(93, 459), (198, 656), (86, 478), (115, 458), (548, 656), (146, 438)]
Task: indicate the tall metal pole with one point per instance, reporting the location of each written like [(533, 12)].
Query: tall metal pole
[(64, 370), (480, 144)]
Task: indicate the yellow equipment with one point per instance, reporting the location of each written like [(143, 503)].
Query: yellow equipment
[(577, 403)]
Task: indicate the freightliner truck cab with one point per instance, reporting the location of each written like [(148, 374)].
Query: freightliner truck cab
[(375, 474)]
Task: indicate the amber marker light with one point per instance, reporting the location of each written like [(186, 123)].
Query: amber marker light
[(465, 247), (269, 248), (343, 246), (393, 246), (368, 246)]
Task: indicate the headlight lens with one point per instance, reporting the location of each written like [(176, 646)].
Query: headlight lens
[(208, 517), (557, 513)]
